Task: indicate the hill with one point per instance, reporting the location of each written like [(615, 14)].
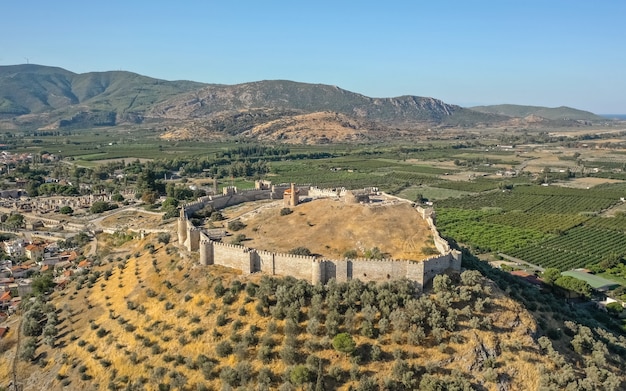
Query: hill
[(402, 233), (52, 95), (556, 113), (148, 317), (40, 97)]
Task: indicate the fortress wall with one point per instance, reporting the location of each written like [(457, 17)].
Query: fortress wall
[(298, 266), (182, 230), (316, 192), (264, 262), (230, 255), (415, 272), (206, 250), (428, 214), (193, 207), (256, 194), (225, 201), (340, 268), (193, 238), (318, 272), (438, 265), (306, 267), (377, 270)]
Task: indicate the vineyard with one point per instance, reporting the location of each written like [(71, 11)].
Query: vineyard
[(468, 227), (545, 225), (544, 222), (578, 247), (617, 223)]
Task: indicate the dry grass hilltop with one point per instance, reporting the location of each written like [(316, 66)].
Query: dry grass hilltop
[(330, 228)]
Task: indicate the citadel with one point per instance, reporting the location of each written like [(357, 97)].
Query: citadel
[(311, 268)]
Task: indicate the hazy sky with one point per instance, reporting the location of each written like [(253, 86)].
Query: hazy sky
[(545, 53)]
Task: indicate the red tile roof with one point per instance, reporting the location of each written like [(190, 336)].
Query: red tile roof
[(6, 296)]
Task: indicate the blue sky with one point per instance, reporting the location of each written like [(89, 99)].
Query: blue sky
[(544, 53)]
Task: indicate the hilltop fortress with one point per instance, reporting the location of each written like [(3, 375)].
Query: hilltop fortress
[(310, 268)]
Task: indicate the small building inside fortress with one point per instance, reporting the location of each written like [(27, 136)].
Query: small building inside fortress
[(315, 269), (291, 196)]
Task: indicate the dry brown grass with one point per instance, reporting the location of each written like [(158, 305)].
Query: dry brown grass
[(330, 228)]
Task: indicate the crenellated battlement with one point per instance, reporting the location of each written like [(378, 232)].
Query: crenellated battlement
[(311, 268), (233, 246)]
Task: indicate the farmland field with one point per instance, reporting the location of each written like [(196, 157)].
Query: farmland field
[(544, 225)]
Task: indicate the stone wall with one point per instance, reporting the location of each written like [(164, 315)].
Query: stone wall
[(293, 265), (316, 192), (231, 256), (307, 267)]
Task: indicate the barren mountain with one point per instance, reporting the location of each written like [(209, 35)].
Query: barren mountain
[(314, 128)]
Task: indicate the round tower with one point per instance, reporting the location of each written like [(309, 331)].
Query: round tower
[(182, 227)]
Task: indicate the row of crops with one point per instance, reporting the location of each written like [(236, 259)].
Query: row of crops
[(547, 226), (576, 248), (523, 199)]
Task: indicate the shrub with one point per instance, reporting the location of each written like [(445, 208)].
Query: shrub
[(66, 210), (229, 376), (265, 354), (236, 225), (288, 354), (300, 251), (300, 374), (344, 343), (219, 289), (350, 254), (285, 211), (223, 349), (237, 240), (164, 238), (101, 206), (221, 320)]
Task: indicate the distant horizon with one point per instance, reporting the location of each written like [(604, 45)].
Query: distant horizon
[(469, 106), (549, 54), (613, 116)]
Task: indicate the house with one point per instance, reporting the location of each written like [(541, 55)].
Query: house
[(34, 252), (5, 300), (68, 256), (62, 265), (49, 261), (14, 249), (21, 271), (82, 265), (25, 287)]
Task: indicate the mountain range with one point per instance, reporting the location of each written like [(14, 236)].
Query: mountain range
[(42, 97)]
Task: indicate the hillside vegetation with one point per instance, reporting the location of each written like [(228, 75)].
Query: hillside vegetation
[(552, 113), (153, 319), (37, 97)]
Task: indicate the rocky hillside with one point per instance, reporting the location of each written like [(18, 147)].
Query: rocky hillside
[(40, 97)]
